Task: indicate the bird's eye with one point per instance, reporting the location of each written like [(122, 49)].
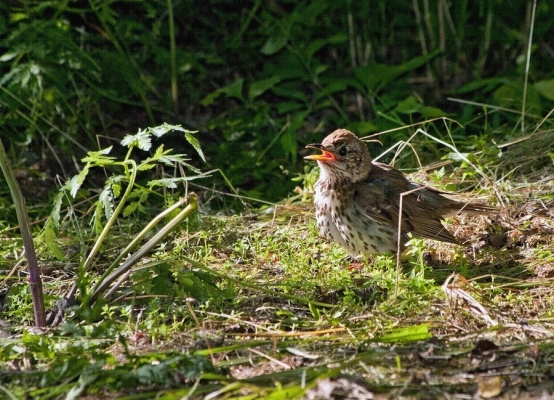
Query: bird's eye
[(343, 151)]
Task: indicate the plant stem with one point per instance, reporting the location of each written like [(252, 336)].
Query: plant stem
[(90, 259), (35, 283), (172, 51), (188, 210)]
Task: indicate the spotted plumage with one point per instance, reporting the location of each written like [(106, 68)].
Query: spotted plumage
[(357, 201)]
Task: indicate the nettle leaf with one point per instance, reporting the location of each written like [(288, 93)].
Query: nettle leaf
[(142, 140), (188, 136), (175, 128)]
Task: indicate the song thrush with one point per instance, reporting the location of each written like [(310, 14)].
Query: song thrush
[(357, 201)]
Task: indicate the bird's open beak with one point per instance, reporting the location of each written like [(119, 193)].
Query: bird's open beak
[(325, 156)]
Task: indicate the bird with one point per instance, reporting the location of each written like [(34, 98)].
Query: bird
[(357, 200)]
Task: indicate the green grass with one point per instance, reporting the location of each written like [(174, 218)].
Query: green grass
[(245, 300), (259, 306)]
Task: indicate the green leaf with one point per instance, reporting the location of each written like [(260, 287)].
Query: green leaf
[(546, 88), (317, 44), (377, 76), (289, 106), (50, 235), (231, 90), (335, 86), (259, 87), (289, 91), (75, 183), (511, 96), (363, 127), (411, 105), (274, 44), (171, 183), (195, 143), (487, 85), (98, 157), (132, 207), (142, 140), (161, 130), (408, 334)]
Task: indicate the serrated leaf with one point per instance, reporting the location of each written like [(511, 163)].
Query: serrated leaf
[(195, 143), (146, 167), (161, 130), (106, 201), (96, 156), (102, 152), (171, 159), (50, 236), (171, 183), (175, 127), (132, 207), (75, 183), (150, 162), (142, 140), (116, 188), (56, 209)]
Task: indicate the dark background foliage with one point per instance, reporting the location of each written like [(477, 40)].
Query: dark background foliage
[(260, 79)]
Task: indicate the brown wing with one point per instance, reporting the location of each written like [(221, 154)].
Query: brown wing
[(378, 197)]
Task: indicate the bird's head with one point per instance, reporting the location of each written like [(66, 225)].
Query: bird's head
[(343, 157)]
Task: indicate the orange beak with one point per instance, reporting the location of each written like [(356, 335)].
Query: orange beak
[(325, 156)]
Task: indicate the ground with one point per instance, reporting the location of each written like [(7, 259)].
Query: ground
[(257, 305)]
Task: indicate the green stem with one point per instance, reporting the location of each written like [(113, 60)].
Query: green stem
[(136, 240), (106, 281), (35, 283), (173, 58), (88, 262)]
